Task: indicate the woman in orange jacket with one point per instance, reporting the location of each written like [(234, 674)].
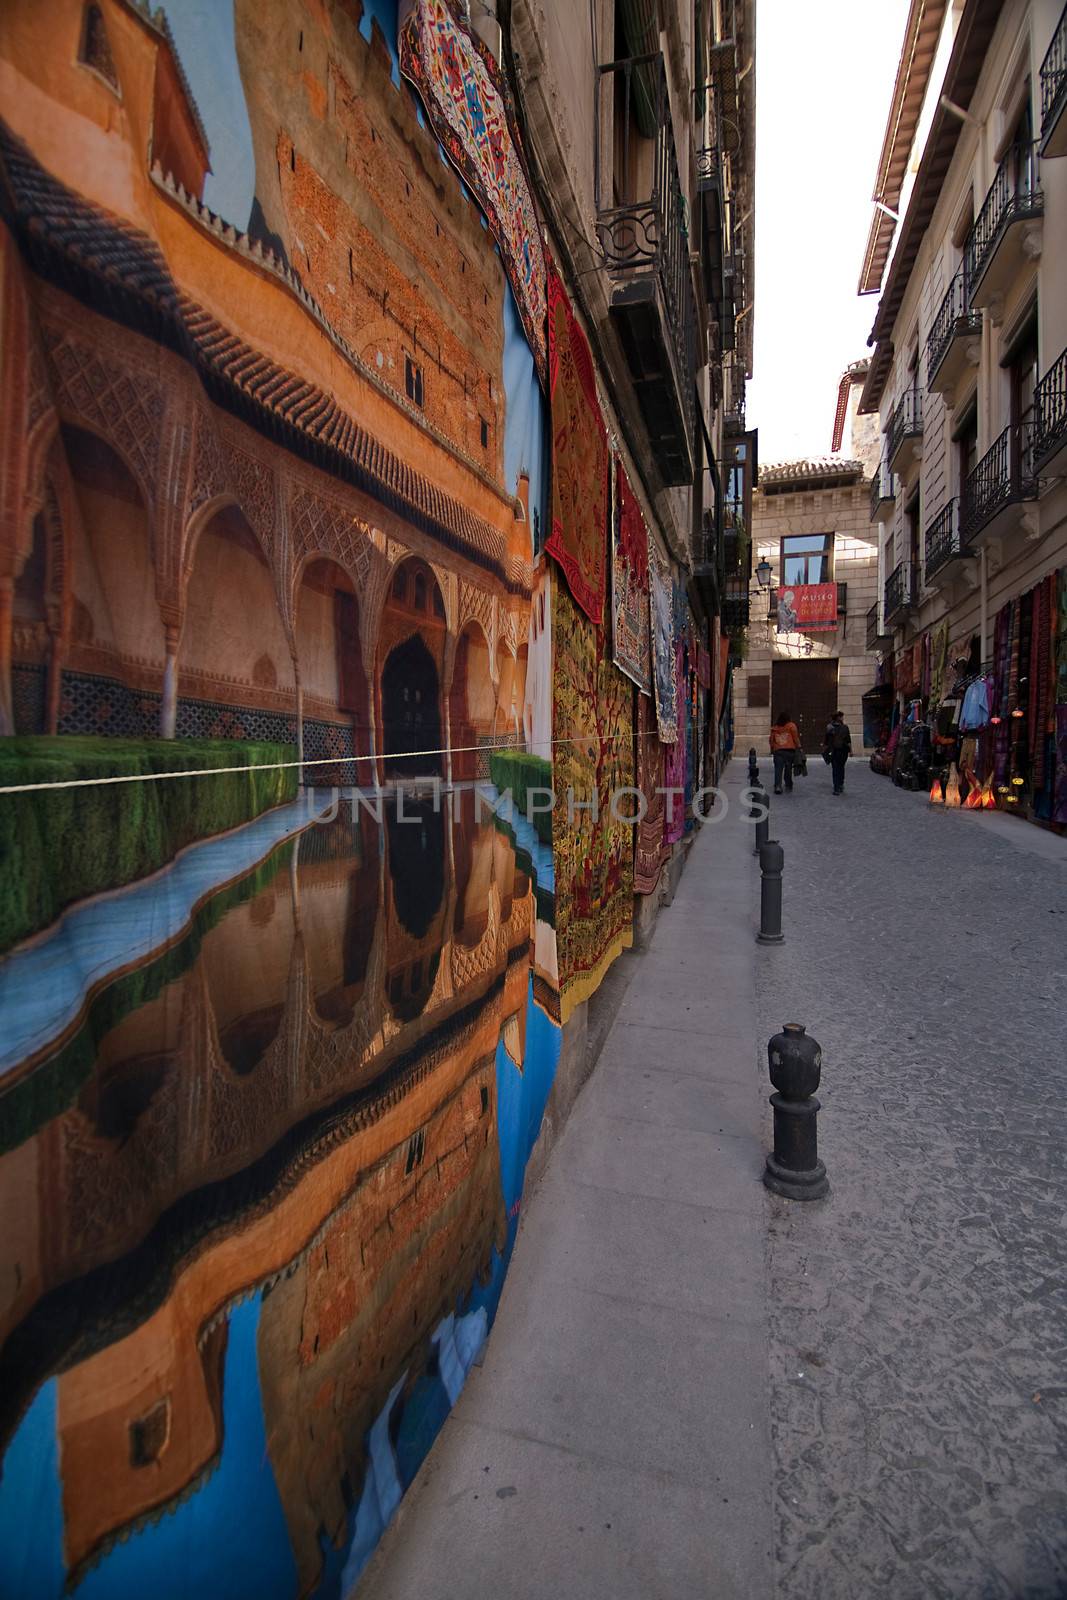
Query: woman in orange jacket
[(785, 742)]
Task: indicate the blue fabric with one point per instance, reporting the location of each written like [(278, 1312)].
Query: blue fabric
[(975, 713)]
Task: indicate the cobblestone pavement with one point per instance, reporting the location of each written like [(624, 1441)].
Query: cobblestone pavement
[(919, 1315)]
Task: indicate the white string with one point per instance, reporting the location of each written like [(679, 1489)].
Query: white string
[(320, 761)]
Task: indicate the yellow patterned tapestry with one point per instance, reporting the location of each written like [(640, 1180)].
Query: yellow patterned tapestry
[(593, 756)]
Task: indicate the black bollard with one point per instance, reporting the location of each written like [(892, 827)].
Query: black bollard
[(771, 862), (763, 824), (753, 768), (794, 1170)]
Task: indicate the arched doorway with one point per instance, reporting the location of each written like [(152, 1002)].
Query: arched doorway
[(235, 667), (336, 697), (411, 652), (416, 860), (338, 875), (472, 704), (113, 680)]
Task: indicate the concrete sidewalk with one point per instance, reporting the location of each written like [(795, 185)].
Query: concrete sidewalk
[(616, 1442)]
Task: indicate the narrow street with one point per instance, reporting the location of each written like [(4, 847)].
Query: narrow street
[(918, 1316), (683, 1363)]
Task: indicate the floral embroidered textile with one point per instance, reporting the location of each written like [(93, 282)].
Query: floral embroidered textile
[(650, 844), (629, 586), (592, 758), (580, 457), (466, 101)]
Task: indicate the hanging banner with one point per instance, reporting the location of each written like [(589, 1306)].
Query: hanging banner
[(629, 586), (661, 618), (807, 608)]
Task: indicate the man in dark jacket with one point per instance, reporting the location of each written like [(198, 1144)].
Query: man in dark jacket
[(837, 744)]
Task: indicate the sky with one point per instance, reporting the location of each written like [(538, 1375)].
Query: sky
[(824, 78)]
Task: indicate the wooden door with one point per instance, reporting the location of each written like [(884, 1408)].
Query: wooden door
[(808, 691)]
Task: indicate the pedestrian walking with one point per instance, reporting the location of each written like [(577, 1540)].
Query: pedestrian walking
[(785, 742), (837, 747)]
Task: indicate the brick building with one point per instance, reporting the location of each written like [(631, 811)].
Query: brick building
[(811, 524)]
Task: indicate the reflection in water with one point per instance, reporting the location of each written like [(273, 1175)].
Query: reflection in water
[(322, 1096)]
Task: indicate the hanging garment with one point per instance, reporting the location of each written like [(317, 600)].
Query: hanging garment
[(975, 711)]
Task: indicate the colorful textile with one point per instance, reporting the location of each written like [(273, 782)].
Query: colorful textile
[(1059, 805), (1042, 685), (675, 764), (580, 457), (938, 663), (650, 844), (629, 586), (466, 102), (592, 758), (703, 669), (661, 611), (1061, 637)]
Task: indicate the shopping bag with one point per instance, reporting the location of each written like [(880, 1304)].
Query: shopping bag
[(800, 764)]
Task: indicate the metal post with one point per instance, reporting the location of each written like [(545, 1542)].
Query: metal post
[(753, 767), (763, 824), (794, 1170), (771, 862)]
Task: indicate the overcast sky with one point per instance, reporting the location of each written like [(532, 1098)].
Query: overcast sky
[(824, 77)]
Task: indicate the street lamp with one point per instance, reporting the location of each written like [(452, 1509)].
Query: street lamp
[(763, 573)]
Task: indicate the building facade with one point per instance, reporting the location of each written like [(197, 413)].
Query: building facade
[(373, 420), (811, 526), (967, 377)]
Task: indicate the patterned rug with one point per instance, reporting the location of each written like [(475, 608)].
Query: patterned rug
[(675, 761), (580, 457), (661, 608), (650, 842), (629, 586), (466, 102), (593, 754)]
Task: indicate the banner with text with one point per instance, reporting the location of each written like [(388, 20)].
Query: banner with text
[(807, 608)]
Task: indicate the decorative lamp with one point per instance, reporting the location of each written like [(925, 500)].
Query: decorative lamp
[(937, 797), (1018, 712), (763, 572), (952, 787)]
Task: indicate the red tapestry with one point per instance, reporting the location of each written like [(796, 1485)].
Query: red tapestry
[(650, 844), (578, 537), (629, 586)]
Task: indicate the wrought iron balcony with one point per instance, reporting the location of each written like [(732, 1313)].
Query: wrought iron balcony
[(1000, 483), (900, 591), (948, 342), (735, 605), (883, 493), (943, 543), (905, 430), (1050, 419), (1000, 233), (643, 237), (877, 639), (1054, 93)]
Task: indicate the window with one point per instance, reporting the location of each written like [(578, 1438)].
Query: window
[(400, 585), (416, 1150), (149, 1434), (413, 381), (965, 439), (420, 591), (806, 558), (485, 433), (911, 524), (1023, 383), (95, 49)]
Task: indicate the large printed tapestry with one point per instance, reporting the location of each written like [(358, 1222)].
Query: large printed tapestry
[(661, 611), (650, 843), (466, 102), (580, 457), (592, 758), (629, 586), (675, 763)]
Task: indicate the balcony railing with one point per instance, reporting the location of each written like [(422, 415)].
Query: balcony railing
[(954, 320), (943, 542), (1004, 477), (899, 590), (883, 489), (1054, 79), (876, 638), (644, 242), (1050, 411), (907, 423), (735, 606), (1014, 194)]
